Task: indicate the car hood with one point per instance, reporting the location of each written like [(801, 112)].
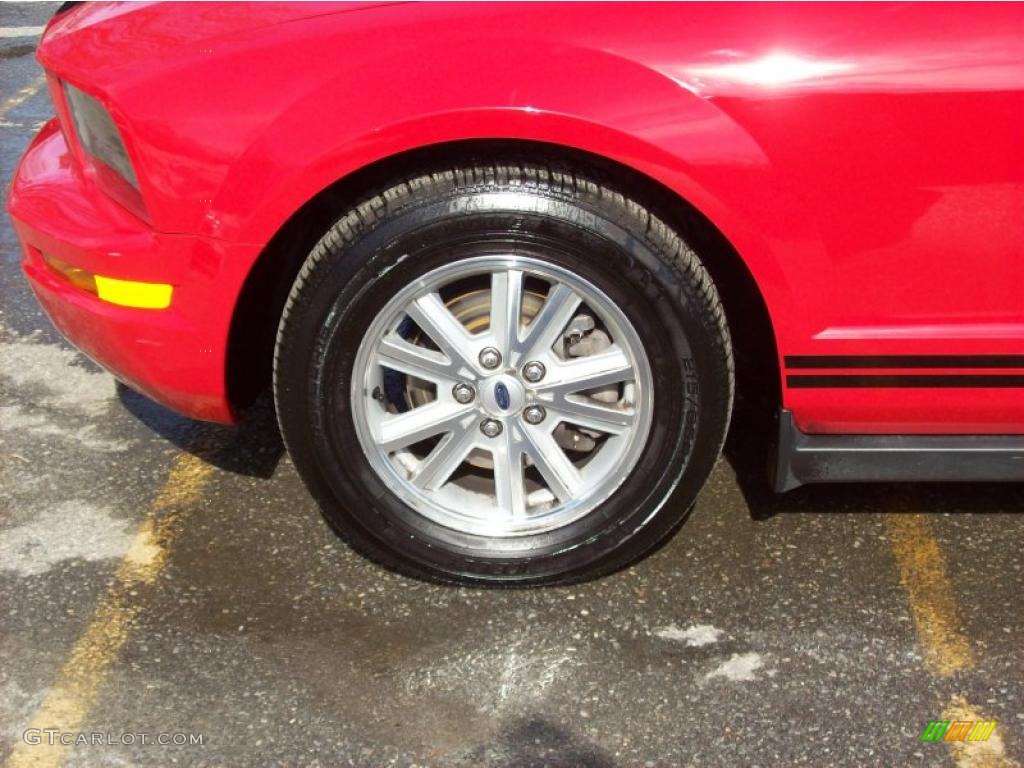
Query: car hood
[(203, 21), (138, 30)]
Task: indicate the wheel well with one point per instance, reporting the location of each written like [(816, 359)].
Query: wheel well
[(254, 324)]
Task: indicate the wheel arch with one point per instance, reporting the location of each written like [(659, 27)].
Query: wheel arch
[(265, 289)]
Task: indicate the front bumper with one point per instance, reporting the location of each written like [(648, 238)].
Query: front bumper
[(174, 355)]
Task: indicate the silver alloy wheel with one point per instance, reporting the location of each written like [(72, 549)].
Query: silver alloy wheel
[(435, 455)]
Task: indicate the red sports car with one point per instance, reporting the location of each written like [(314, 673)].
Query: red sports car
[(504, 264)]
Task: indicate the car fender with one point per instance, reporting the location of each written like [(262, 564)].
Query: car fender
[(651, 123)]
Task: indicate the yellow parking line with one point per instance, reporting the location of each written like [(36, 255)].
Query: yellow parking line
[(27, 92), (933, 605), (81, 679), (945, 647)]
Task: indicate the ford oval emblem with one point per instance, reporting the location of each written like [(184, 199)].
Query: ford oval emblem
[(501, 396)]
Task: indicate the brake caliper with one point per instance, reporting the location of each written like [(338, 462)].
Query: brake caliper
[(581, 339)]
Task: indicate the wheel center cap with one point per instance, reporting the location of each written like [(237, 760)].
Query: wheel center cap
[(502, 395)]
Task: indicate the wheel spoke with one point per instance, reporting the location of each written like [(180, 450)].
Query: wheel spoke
[(448, 454), (592, 415), (562, 477), (430, 314), (550, 321), (400, 355), (509, 483), (506, 308), (601, 370), (404, 429)]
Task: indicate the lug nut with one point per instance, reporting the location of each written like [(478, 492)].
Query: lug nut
[(533, 371), (490, 357), (463, 393), (534, 414), (490, 427)]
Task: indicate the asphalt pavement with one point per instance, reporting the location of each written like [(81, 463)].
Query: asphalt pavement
[(163, 576)]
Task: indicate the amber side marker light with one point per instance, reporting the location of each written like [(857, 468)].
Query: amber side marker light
[(124, 293)]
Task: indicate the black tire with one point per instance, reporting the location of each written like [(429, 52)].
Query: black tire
[(576, 220)]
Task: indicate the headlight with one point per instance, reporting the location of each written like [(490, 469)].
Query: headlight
[(97, 133)]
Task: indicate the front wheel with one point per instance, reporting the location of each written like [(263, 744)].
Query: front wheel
[(503, 373)]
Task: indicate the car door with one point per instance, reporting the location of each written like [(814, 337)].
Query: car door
[(898, 126)]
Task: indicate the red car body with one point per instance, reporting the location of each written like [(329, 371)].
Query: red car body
[(866, 163)]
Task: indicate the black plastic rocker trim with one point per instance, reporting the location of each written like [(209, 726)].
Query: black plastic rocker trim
[(803, 458)]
